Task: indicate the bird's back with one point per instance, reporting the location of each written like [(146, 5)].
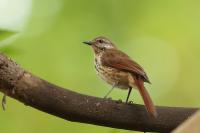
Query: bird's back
[(119, 60)]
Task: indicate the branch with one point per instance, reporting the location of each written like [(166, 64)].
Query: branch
[(42, 95)]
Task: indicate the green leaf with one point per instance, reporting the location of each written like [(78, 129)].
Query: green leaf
[(5, 34)]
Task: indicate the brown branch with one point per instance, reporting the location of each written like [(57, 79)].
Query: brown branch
[(72, 106)]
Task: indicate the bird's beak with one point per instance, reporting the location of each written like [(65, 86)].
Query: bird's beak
[(88, 42)]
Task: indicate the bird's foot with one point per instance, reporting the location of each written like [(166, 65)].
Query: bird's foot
[(129, 102), (119, 101), (108, 98)]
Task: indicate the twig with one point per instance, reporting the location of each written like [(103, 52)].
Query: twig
[(72, 106)]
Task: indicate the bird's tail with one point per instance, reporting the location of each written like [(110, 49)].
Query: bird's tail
[(146, 98)]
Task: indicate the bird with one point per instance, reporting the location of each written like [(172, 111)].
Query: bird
[(119, 70)]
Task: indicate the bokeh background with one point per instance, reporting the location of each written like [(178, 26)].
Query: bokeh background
[(45, 37)]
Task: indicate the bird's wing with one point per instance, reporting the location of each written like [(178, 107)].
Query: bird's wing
[(119, 60)]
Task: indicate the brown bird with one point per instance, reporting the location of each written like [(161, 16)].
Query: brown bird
[(119, 70)]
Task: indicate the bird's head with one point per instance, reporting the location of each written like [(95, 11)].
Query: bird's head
[(100, 44)]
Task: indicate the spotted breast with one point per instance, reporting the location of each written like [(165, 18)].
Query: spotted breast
[(111, 75)]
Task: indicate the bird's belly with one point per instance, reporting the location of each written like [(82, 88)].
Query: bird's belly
[(113, 76)]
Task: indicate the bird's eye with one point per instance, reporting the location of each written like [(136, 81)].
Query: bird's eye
[(100, 41)]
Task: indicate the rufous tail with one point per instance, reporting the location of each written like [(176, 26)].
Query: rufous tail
[(146, 98)]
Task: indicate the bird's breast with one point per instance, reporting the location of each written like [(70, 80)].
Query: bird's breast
[(111, 75)]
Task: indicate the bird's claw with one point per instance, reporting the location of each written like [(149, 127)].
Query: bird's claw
[(108, 98), (119, 101), (130, 102)]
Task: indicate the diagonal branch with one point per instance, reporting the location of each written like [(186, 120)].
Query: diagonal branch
[(42, 95)]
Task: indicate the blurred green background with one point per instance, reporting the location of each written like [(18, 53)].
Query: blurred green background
[(163, 36)]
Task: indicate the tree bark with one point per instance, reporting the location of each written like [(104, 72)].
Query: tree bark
[(64, 103)]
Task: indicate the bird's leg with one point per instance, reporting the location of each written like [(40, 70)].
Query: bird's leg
[(129, 92), (110, 90), (4, 102)]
